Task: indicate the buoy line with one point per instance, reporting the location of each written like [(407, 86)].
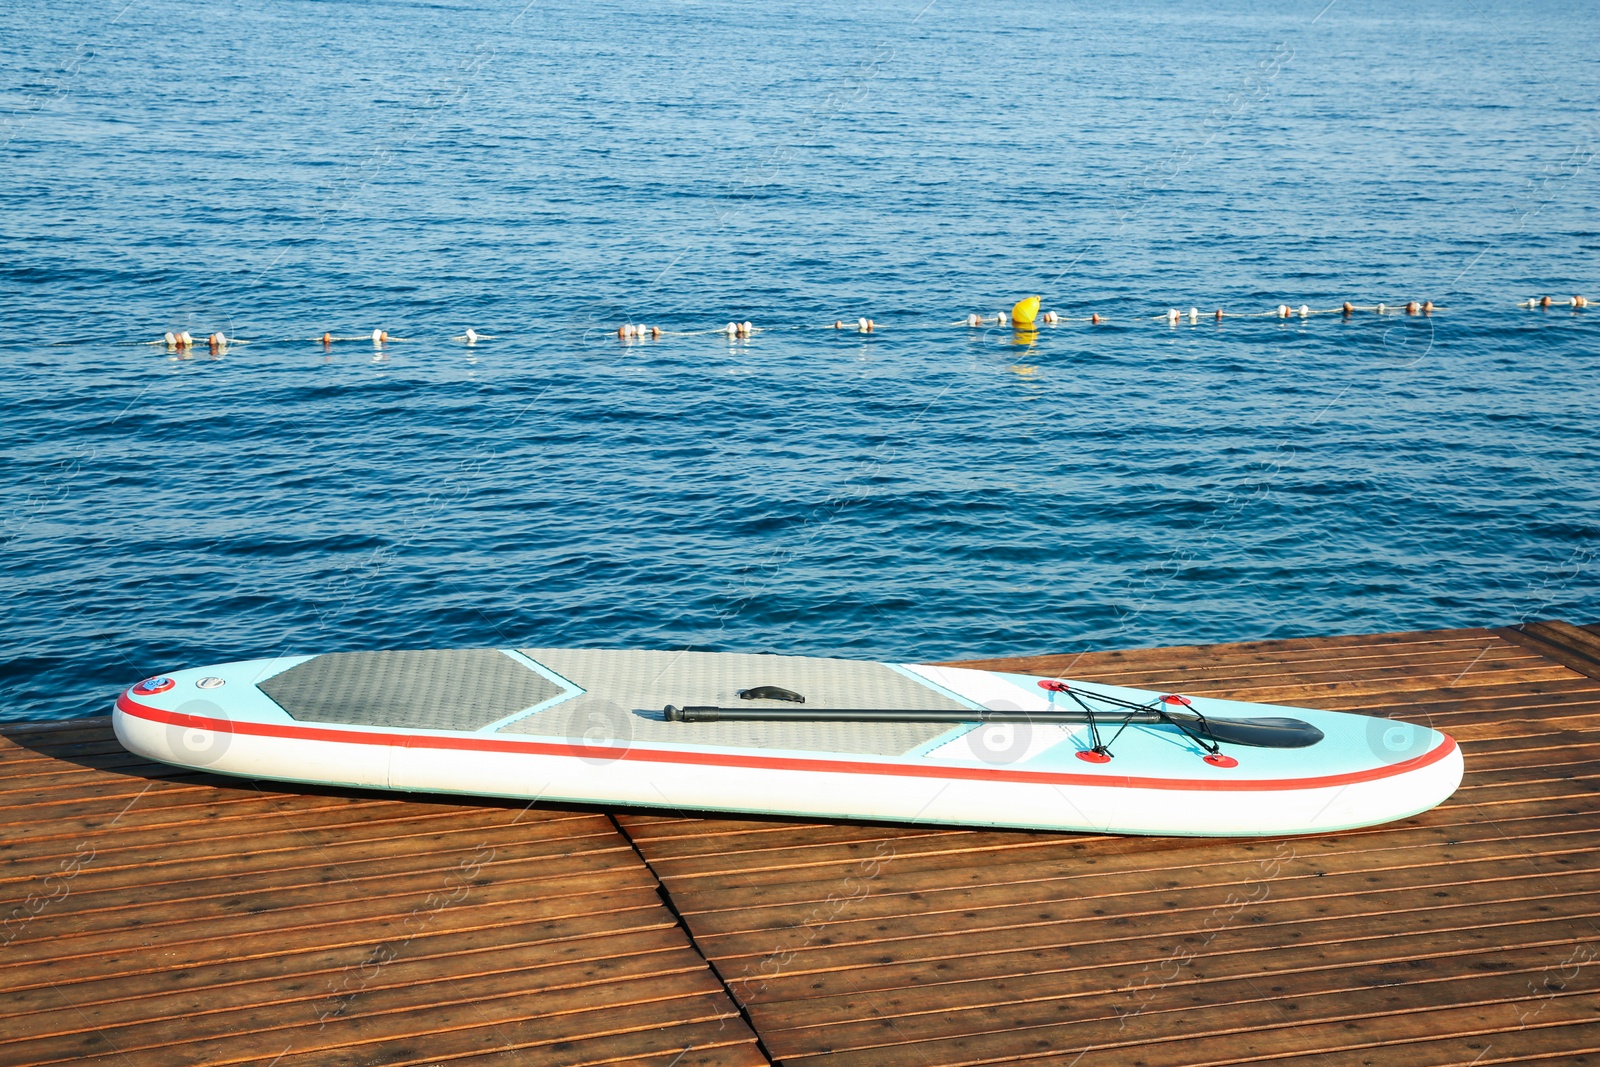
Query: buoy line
[(1547, 302), (1024, 317)]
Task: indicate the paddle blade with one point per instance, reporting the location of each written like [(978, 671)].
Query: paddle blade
[(1267, 732)]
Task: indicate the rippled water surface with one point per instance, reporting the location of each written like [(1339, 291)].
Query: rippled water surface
[(545, 173)]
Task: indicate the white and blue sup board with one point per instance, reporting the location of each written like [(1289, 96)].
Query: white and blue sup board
[(789, 735)]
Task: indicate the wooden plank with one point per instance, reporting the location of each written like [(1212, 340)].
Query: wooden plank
[(268, 830), (1485, 664), (57, 1031), (1187, 1008), (1288, 647), (1266, 1020), (842, 935), (693, 1045), (440, 1033), (321, 973), (623, 981), (787, 997), (925, 892), (1534, 1041)]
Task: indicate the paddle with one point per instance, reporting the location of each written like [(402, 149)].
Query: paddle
[(1264, 732)]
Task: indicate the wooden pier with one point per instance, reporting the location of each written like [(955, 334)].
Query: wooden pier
[(156, 916)]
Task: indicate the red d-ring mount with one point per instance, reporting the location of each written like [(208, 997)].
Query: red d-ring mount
[(1052, 685), (1174, 699), (155, 685), (1094, 756), (1217, 759)]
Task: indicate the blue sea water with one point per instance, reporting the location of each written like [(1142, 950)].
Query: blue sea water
[(545, 172)]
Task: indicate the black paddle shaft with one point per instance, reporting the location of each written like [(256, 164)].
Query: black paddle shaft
[(1266, 732)]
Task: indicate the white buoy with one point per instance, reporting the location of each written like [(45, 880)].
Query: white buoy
[(472, 336), (1283, 311), (1000, 318), (172, 342), (745, 329), (974, 319), (1172, 316), (1382, 308), (1304, 311), (378, 337), (185, 339), (861, 324), (1194, 315), (732, 329), (1051, 318)]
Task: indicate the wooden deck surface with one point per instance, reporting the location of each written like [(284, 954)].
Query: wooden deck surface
[(159, 917), (153, 916)]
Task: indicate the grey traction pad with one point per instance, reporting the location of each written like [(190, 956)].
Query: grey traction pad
[(625, 692), (436, 690)]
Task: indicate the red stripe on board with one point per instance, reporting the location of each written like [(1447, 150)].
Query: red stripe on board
[(129, 706)]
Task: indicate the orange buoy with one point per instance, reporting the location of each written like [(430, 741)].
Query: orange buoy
[(1411, 308), (1095, 318), (1348, 308), (1427, 307), (1544, 301), (1219, 314), (1579, 302)]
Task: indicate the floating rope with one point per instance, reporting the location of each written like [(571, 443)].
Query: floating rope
[(739, 331), (1546, 302)]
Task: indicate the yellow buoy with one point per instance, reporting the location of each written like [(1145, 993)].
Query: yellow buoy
[(1024, 311)]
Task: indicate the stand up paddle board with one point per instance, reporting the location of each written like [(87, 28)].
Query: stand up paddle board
[(790, 735)]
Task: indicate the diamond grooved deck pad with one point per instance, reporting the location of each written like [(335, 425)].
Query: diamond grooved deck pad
[(626, 690), (464, 689)]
